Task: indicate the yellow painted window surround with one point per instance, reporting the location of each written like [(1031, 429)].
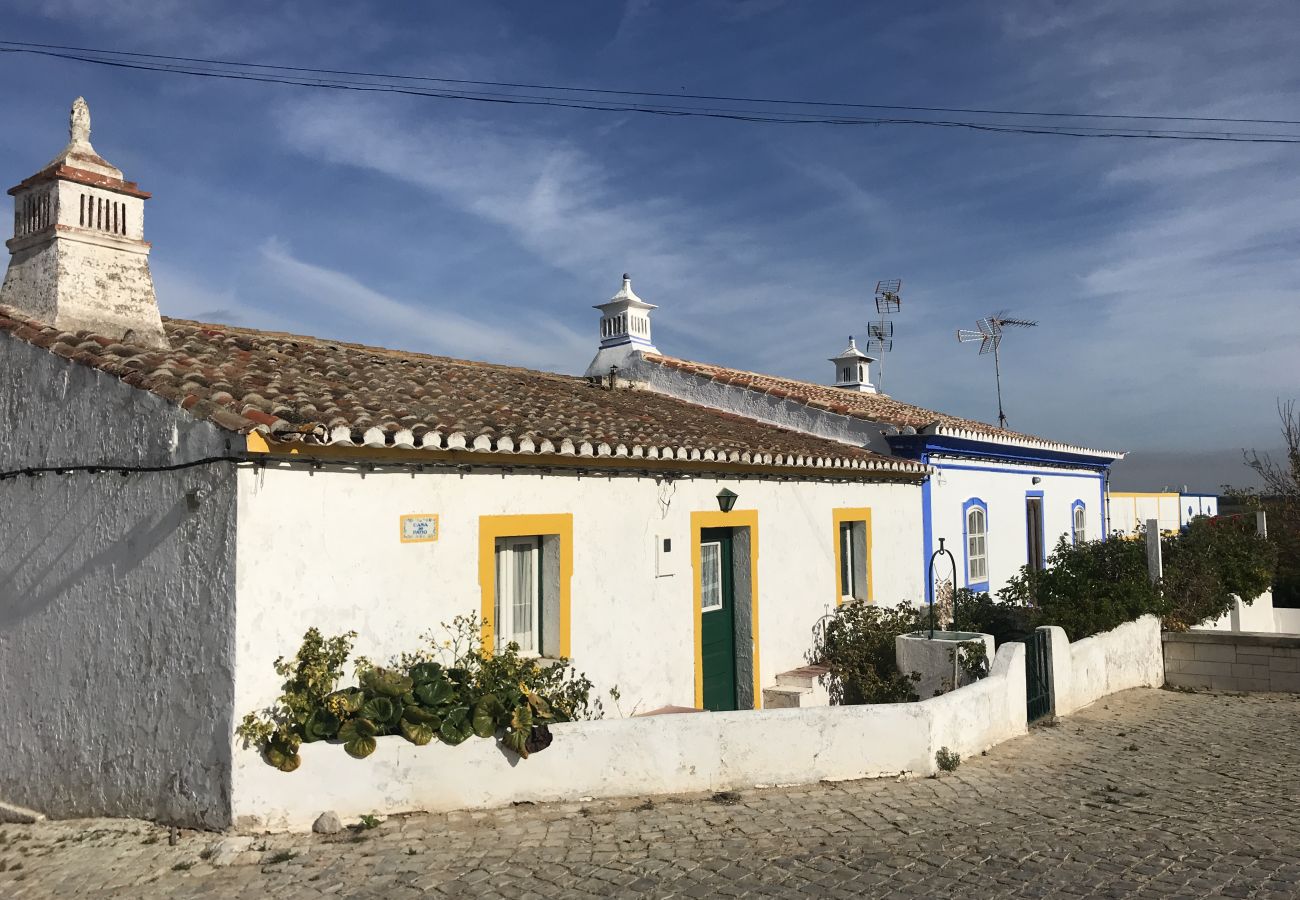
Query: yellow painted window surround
[(737, 518), (492, 527), (839, 517)]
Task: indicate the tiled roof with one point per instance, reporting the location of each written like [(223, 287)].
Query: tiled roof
[(880, 408), (296, 388)]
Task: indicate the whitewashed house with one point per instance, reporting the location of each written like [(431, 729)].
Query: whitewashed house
[(1129, 511), (181, 501), (998, 498)]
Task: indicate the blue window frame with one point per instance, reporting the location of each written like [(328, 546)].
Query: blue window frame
[(1078, 521), (975, 533)]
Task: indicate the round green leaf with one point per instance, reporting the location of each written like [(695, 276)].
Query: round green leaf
[(455, 728), (382, 710), (360, 747), (517, 741), (435, 693), (321, 725), (421, 716), (486, 714), (386, 682), (417, 733), (422, 673)]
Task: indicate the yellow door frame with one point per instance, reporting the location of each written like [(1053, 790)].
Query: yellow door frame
[(492, 527), (838, 518), (737, 518)]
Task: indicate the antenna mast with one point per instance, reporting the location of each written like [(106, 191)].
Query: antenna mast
[(989, 334), (880, 335)]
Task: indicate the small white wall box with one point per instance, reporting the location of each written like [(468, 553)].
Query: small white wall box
[(663, 556)]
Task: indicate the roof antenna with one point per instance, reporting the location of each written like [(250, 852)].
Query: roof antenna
[(880, 335), (990, 336)]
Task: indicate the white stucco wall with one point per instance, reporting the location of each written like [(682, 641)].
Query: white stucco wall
[(116, 601), (1125, 657), (1003, 487), (1130, 511), (323, 549), (1257, 616), (1287, 621), (641, 756)]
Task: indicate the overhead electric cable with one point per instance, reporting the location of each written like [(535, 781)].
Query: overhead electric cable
[(380, 83)]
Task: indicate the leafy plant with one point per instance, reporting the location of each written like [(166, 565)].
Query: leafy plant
[(451, 691), (947, 760), (857, 646), (972, 658)]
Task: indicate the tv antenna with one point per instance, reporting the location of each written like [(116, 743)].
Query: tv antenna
[(989, 334), (880, 335)]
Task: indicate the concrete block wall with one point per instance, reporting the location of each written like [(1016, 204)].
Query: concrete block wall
[(1233, 661)]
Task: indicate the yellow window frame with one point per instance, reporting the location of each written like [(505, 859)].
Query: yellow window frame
[(492, 527), (839, 517)]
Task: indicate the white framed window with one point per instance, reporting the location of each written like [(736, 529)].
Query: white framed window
[(710, 576), (519, 594), (1079, 522), (977, 559)]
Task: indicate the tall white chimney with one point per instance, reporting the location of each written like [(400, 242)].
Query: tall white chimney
[(78, 258)]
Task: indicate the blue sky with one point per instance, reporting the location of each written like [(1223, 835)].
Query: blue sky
[(1164, 275)]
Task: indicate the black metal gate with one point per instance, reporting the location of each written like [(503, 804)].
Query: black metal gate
[(1038, 668)]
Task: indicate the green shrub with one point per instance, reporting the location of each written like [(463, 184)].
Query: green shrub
[(1087, 588), (1208, 563), (1005, 620), (947, 760), (451, 691), (857, 646)]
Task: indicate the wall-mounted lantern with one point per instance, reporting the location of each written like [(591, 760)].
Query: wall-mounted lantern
[(1036, 480), (727, 499)]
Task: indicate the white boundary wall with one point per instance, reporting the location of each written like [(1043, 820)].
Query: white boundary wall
[(1256, 616), (1125, 657), (1286, 621), (640, 756)]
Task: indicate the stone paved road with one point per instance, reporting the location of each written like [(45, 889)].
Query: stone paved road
[(1146, 794)]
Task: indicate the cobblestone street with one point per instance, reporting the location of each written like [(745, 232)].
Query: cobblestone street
[(1147, 793)]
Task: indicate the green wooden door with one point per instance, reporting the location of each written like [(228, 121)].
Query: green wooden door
[(717, 619)]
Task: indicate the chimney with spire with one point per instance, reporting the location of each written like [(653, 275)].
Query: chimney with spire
[(624, 329), (78, 258), (853, 369)]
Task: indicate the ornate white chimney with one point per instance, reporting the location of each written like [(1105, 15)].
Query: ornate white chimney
[(853, 369), (78, 258), (624, 329)]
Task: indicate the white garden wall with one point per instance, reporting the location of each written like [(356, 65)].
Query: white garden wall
[(1258, 617), (1287, 621), (641, 756), (1125, 657)]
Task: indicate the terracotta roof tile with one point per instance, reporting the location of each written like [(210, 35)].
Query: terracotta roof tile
[(879, 408), (308, 389)]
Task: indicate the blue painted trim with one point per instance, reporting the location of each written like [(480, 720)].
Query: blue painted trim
[(1025, 471), (927, 536), (1074, 534), (1105, 511), (1042, 526), (913, 446), (965, 542)]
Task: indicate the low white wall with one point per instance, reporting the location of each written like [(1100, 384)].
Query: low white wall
[(640, 756), (1287, 621), (1256, 617), (1125, 657)]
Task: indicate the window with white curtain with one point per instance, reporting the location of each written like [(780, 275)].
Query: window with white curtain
[(519, 594), (1080, 523), (977, 560)]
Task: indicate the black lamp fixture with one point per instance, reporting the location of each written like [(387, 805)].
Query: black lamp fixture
[(727, 499)]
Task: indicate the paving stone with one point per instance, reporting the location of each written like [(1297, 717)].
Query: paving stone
[(1204, 807)]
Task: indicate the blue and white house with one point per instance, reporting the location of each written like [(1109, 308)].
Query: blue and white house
[(998, 499)]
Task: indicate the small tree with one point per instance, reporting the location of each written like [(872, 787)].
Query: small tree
[(1280, 498)]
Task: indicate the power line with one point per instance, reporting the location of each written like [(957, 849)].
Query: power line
[(679, 96), (329, 79)]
